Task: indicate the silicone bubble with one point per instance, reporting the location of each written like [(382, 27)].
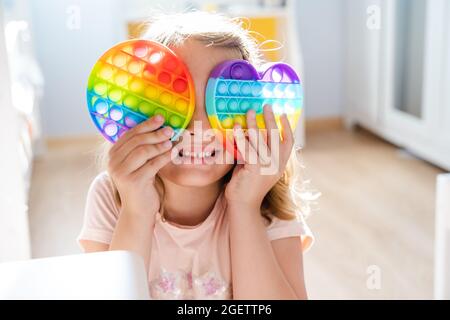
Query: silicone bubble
[(135, 80), (235, 86)]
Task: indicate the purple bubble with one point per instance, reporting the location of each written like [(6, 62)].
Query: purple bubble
[(111, 129), (116, 113), (237, 71), (277, 74)]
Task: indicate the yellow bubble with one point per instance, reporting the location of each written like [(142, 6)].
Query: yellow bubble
[(181, 104), (260, 121), (115, 95), (151, 92), (166, 98), (100, 88), (121, 79), (136, 86), (227, 123), (106, 72), (240, 119)]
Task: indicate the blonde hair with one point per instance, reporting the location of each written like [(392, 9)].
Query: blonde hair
[(288, 197)]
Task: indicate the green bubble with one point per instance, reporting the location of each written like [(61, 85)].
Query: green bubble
[(175, 121), (131, 102)]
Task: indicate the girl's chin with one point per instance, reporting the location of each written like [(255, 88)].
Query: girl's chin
[(193, 180), (194, 175)]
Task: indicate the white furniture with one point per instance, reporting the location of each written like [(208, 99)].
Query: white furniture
[(14, 237), (103, 275), (20, 138), (442, 239), (398, 75)]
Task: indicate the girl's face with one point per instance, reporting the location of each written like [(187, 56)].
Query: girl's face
[(201, 160)]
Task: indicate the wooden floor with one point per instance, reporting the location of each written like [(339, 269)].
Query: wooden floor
[(375, 215)]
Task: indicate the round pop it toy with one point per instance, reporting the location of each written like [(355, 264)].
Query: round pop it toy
[(235, 86), (135, 80)]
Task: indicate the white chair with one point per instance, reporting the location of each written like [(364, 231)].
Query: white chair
[(102, 275)]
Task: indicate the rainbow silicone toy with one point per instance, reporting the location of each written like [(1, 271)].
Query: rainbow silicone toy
[(235, 86), (137, 79)]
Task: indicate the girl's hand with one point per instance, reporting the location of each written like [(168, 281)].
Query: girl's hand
[(134, 161), (264, 156)]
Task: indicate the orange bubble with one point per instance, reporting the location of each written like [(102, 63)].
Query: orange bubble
[(120, 59), (134, 67)]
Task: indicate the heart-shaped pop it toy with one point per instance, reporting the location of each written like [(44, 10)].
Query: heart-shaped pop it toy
[(235, 86), (135, 80)]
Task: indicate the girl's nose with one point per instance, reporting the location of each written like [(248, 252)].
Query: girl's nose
[(199, 120)]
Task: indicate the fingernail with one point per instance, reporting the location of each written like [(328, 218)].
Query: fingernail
[(159, 117), (167, 144), (168, 131)]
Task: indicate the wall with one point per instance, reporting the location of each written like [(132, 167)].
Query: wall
[(321, 35), (66, 54)]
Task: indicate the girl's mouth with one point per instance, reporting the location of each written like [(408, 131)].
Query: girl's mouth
[(206, 155)]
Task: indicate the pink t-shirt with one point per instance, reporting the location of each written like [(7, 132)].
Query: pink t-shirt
[(186, 262)]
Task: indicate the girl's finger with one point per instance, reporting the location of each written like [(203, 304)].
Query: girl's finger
[(257, 138), (142, 154), (149, 138), (148, 125), (271, 125), (151, 168), (243, 145), (286, 130), (257, 141), (287, 135)]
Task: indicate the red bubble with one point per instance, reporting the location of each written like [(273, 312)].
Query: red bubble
[(179, 85), (170, 63), (164, 77), (149, 71)]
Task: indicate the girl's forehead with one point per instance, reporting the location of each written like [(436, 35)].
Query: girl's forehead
[(203, 57)]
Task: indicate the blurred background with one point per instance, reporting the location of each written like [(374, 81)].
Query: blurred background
[(375, 133)]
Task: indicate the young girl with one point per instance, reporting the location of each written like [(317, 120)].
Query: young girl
[(205, 230)]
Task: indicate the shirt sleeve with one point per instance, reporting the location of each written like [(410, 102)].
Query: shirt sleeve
[(101, 212), (279, 229)]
